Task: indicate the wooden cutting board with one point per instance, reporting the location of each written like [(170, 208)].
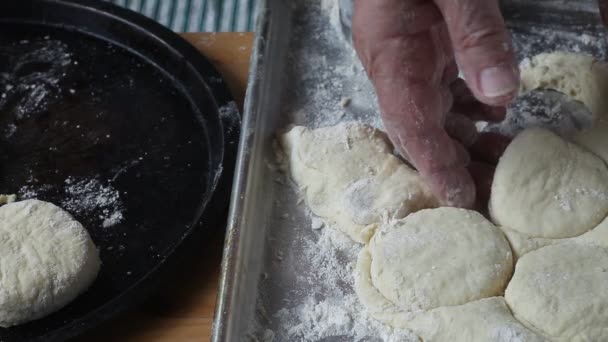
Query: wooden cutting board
[(183, 309)]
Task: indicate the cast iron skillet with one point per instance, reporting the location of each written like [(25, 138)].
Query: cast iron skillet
[(92, 95)]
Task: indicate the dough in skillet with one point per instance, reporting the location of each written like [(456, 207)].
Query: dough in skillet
[(561, 291), (349, 175), (46, 260), (549, 188), (437, 272)]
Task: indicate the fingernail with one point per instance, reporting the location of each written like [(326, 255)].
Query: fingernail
[(498, 81)]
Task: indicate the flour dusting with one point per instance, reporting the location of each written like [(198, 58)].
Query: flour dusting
[(32, 76), (330, 308), (88, 197), (306, 288)]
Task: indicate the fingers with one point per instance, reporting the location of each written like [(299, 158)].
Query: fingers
[(405, 51), (455, 185), (450, 74), (380, 23), (489, 147), (485, 152), (483, 48), (442, 163), (482, 174), (413, 120), (478, 111), (461, 128), (466, 104), (603, 4)]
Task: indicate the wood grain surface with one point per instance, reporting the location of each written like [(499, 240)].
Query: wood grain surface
[(183, 308)]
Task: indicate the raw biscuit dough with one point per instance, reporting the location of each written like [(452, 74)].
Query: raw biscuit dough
[(484, 320), (417, 261), (522, 244), (548, 188), (595, 139), (561, 291), (437, 272), (349, 175), (46, 260), (582, 77)]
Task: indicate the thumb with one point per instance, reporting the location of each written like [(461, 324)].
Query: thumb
[(483, 49)]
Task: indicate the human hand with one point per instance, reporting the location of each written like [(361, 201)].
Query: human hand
[(412, 50)]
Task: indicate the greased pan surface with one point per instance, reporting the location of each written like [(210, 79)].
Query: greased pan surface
[(125, 125)]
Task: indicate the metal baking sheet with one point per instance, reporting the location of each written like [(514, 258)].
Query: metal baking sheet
[(302, 71)]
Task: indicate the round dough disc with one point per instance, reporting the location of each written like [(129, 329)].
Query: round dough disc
[(349, 175), (547, 187), (582, 77), (561, 291), (46, 260), (439, 257)]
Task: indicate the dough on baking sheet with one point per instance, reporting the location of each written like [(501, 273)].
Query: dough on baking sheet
[(349, 175), (582, 77), (561, 291), (522, 244), (549, 188), (439, 257), (46, 260), (437, 272), (484, 320), (594, 139)]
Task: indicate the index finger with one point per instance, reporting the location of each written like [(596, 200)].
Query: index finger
[(483, 48), (407, 67)]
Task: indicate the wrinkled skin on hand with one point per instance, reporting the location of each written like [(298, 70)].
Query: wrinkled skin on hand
[(412, 50)]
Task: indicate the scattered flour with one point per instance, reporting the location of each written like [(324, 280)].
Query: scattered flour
[(336, 317), (87, 197), (229, 114), (329, 308), (114, 219), (24, 89), (91, 197), (331, 73), (306, 289), (316, 223)]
